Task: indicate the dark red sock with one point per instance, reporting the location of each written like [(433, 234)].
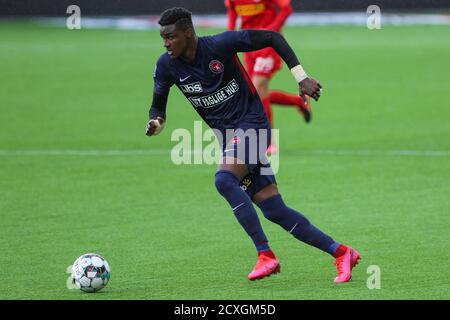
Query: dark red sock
[(284, 99), (340, 251), (268, 110), (268, 253)]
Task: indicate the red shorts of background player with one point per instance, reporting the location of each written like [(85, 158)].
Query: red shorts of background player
[(264, 62)]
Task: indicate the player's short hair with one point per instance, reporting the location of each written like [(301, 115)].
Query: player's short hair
[(181, 17)]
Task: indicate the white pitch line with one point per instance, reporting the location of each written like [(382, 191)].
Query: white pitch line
[(157, 152), (371, 153), (83, 153)]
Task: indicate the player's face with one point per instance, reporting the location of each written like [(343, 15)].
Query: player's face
[(175, 40)]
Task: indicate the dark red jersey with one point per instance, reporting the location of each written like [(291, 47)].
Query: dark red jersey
[(258, 14)]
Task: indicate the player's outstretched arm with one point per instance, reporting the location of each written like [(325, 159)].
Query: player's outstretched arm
[(231, 15), (157, 114), (263, 38), (284, 11)]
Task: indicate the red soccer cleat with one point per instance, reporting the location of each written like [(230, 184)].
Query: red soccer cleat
[(266, 265), (305, 108), (345, 264)]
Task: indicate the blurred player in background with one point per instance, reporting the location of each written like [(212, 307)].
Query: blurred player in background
[(262, 65)]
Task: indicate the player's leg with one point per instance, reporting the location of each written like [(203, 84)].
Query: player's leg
[(266, 64), (261, 83), (256, 66), (286, 99), (227, 181), (274, 209), (259, 69)]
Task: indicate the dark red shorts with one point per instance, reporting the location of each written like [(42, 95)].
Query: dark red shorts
[(265, 62)]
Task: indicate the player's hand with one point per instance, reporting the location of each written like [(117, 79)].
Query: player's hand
[(155, 126), (310, 87)]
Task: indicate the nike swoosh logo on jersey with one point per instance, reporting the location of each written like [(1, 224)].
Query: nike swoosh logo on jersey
[(183, 79)]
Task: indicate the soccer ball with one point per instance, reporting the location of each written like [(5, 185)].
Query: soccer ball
[(90, 272)]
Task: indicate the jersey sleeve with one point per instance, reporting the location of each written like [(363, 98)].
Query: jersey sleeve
[(162, 77), (231, 42), (231, 15), (285, 10)]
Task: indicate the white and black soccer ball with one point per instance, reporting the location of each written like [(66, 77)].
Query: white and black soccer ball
[(90, 272)]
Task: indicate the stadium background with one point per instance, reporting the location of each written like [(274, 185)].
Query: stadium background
[(78, 175), (132, 7)]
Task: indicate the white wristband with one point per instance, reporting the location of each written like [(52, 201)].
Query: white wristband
[(298, 73)]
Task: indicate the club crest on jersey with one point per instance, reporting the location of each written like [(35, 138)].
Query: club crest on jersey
[(216, 66)]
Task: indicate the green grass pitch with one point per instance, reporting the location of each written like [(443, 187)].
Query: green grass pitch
[(372, 169)]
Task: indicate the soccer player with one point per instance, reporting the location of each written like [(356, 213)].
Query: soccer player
[(264, 63), (210, 75)]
